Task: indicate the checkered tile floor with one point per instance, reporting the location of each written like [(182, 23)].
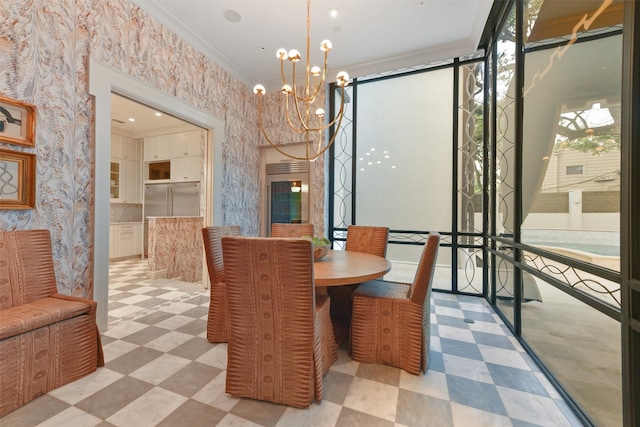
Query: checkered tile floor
[(161, 370)]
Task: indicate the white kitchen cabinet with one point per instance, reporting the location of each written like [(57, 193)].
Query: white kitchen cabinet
[(116, 146), (157, 147), (182, 149), (186, 168), (126, 181), (187, 145), (115, 180), (125, 240), (126, 172), (132, 187), (124, 147)]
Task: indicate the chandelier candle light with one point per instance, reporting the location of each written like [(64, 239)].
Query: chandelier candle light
[(302, 120)]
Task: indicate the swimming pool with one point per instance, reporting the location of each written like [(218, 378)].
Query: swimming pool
[(598, 249)]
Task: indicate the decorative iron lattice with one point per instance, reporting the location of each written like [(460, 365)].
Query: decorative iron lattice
[(343, 157), (504, 275), (576, 279), (470, 179), (470, 264), (471, 111), (505, 129)]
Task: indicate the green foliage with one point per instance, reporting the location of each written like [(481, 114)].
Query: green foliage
[(596, 144), (318, 241)]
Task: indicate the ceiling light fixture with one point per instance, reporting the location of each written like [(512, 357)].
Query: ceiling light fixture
[(305, 119)]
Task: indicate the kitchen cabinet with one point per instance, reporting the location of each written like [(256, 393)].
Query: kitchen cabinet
[(126, 172), (114, 183), (158, 147), (132, 187), (182, 149), (125, 148), (187, 145), (186, 168), (125, 240)]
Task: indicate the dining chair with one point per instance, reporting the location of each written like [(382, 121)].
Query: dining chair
[(360, 238), (391, 320), (218, 319), (291, 230), (281, 341)]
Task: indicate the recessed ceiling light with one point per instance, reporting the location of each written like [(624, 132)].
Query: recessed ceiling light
[(158, 114), (232, 16), (333, 13), (131, 119)]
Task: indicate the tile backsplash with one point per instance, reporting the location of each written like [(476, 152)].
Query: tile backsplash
[(125, 212)]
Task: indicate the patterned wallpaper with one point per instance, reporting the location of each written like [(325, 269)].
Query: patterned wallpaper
[(45, 47)]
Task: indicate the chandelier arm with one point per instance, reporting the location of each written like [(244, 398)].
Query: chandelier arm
[(305, 126), (322, 79), (290, 122), (264, 133), (328, 144), (340, 112), (284, 78)]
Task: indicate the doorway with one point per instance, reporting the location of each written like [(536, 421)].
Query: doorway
[(136, 133), (104, 80)]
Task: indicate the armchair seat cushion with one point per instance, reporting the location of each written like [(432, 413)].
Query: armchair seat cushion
[(36, 314), (380, 289)]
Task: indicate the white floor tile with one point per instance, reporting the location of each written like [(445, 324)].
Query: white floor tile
[(373, 398)]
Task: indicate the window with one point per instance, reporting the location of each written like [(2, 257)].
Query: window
[(575, 170)]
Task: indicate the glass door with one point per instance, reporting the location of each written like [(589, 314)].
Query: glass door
[(288, 199), (286, 202)]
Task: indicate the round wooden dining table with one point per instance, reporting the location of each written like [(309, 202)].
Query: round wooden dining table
[(339, 268)]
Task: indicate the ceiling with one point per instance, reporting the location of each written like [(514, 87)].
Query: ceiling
[(145, 119), (368, 36)]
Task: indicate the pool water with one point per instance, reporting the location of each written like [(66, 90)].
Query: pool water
[(607, 250)]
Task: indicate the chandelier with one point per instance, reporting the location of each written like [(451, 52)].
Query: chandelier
[(301, 116)]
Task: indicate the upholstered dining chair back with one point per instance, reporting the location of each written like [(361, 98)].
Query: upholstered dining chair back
[(291, 230), (217, 322), (391, 320), (367, 239), (275, 336), (426, 268), (360, 238)]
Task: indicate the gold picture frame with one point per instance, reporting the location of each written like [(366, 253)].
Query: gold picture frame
[(17, 180), (17, 122)]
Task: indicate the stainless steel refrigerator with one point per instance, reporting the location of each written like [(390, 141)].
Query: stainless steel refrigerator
[(175, 199)]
